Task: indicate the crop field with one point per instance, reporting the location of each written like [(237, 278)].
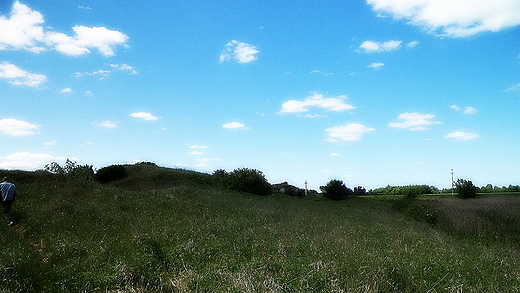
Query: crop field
[(193, 237)]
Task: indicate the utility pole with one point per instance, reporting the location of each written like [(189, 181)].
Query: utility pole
[(305, 187), (452, 182)]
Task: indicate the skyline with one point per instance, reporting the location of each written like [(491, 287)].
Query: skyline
[(373, 93)]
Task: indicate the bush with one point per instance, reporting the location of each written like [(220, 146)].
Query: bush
[(111, 173), (465, 189), (245, 180), (335, 190)]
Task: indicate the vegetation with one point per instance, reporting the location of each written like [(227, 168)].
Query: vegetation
[(336, 190), (244, 180), (465, 189), (174, 230)]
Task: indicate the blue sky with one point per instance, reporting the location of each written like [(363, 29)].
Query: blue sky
[(375, 93)]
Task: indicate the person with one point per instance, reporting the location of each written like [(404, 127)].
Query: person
[(8, 192)]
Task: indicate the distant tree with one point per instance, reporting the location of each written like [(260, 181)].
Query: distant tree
[(359, 190), (245, 180), (71, 171), (465, 189), (335, 190), (111, 173)]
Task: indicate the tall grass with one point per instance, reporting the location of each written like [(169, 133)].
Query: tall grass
[(188, 237)]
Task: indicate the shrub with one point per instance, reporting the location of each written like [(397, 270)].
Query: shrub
[(71, 172), (111, 173), (245, 180), (335, 190), (465, 189)]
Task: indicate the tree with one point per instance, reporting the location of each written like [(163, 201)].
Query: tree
[(465, 189), (359, 190), (335, 190), (245, 180)]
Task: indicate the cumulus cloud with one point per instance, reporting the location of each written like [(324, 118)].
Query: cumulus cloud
[(23, 30), (316, 100), (452, 18), (15, 127), (107, 124), (414, 121), (371, 47), (16, 76), (234, 125), (144, 116), (376, 65), (196, 146), (347, 132), (66, 90), (28, 161), (462, 136), (239, 51)]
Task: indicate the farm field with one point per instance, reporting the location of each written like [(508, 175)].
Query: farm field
[(169, 231)]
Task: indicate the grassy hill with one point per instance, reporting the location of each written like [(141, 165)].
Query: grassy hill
[(170, 230)]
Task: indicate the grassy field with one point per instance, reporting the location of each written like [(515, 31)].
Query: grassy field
[(169, 231)]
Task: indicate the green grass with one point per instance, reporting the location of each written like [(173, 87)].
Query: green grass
[(183, 235)]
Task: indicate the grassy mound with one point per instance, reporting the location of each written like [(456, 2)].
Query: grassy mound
[(169, 230)]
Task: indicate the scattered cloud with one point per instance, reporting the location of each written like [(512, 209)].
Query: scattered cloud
[(322, 73), (15, 127), (371, 47), (347, 132), (66, 90), (238, 51), (516, 87), (376, 65), (412, 44), (467, 110), (23, 30), (125, 67), (196, 153), (316, 100), (29, 161), (334, 154), (49, 143), (144, 116), (84, 7), (102, 73), (195, 146), (462, 136), (107, 124), (234, 125), (414, 121), (16, 76), (452, 18)]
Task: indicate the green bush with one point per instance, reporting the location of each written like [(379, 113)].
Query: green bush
[(335, 190), (245, 180), (465, 189), (111, 173)]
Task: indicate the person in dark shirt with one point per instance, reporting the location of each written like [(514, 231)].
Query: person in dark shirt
[(8, 192)]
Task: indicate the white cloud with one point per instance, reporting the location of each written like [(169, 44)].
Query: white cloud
[(412, 44), (238, 51), (107, 124), (414, 121), (28, 161), (470, 111), (17, 76), (334, 154), (196, 153), (49, 143), (316, 100), (66, 90), (125, 67), (144, 115), (234, 125), (376, 65), (453, 18), (516, 87), (347, 132), (370, 46), (15, 127), (467, 110), (195, 146), (23, 30), (202, 160), (462, 136)]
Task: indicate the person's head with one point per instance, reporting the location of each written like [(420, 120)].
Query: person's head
[(6, 179)]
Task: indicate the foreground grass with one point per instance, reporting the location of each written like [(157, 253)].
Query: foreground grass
[(193, 238)]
